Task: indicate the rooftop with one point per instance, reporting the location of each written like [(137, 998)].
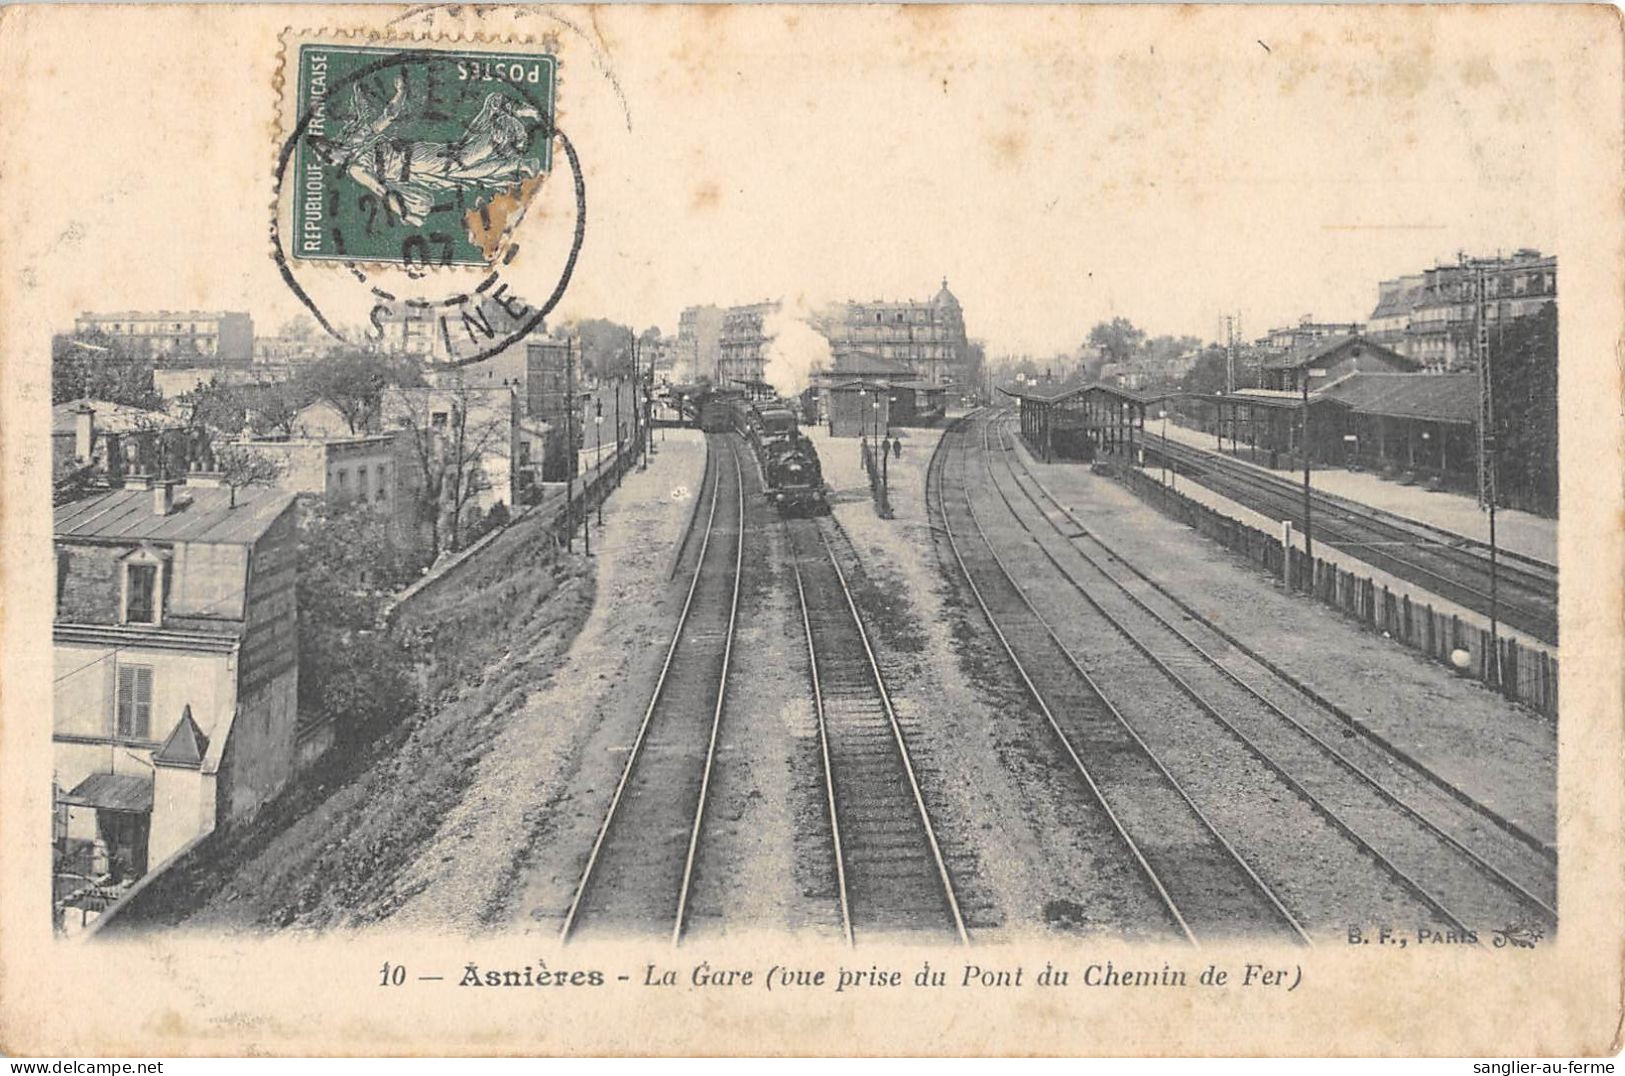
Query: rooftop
[(140, 315), (1321, 348), (1449, 398), (200, 514), (110, 417), (851, 362), (1061, 392)]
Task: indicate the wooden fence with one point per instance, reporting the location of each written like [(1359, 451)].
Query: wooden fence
[(1528, 674)]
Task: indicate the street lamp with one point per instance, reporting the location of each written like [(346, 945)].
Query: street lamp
[(1163, 414), (863, 431)]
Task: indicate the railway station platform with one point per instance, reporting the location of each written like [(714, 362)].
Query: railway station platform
[(1520, 532)]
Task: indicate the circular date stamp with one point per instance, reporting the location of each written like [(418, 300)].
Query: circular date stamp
[(405, 178)]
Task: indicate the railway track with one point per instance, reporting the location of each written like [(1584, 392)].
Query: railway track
[(891, 875), (1425, 832), (640, 869), (1208, 889), (1456, 569)]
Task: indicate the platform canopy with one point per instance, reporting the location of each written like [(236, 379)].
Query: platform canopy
[(1446, 398), (1081, 420)]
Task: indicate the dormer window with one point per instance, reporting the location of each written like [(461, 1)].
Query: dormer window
[(143, 588)]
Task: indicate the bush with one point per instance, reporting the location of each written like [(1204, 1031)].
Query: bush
[(350, 672)]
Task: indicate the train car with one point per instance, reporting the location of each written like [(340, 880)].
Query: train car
[(719, 411), (773, 422)]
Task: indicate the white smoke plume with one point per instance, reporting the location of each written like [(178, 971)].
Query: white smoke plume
[(794, 350)]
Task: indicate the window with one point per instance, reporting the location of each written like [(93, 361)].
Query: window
[(361, 482), (438, 420), (135, 701), (141, 594), (383, 488), (343, 477)]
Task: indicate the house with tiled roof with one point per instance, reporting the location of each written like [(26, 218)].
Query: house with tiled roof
[(176, 676), (1322, 361)]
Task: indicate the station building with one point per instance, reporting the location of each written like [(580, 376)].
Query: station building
[(859, 408)]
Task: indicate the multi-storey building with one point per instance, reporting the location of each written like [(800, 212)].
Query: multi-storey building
[(928, 335), (176, 675), (374, 469), (292, 351), (176, 337), (1431, 316), (743, 344), (408, 331), (1304, 334)]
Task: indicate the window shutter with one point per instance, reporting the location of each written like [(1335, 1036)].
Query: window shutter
[(126, 696), (135, 701)]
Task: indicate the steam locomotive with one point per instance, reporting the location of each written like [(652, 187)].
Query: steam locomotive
[(791, 474)]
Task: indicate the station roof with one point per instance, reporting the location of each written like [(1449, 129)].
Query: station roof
[(919, 386), (1066, 392), (1450, 398)]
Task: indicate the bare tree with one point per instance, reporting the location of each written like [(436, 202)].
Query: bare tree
[(240, 466), (351, 382), (274, 406), (454, 431)]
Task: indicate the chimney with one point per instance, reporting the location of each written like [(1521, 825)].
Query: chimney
[(163, 498), (84, 432)]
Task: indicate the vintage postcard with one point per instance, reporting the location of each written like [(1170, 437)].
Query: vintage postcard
[(811, 530)]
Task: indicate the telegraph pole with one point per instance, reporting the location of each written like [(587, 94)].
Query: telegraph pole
[(649, 402), (1308, 531), (569, 444), (1486, 451), (1229, 354)]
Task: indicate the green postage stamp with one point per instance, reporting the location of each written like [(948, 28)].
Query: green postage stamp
[(416, 154)]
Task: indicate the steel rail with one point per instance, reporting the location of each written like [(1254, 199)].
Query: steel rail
[(716, 714), (1066, 741), (1537, 573), (1376, 740), (1537, 622), (823, 744), (1212, 711), (902, 745), (1341, 759), (634, 753)]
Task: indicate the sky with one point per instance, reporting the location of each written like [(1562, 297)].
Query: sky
[(1057, 167)]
